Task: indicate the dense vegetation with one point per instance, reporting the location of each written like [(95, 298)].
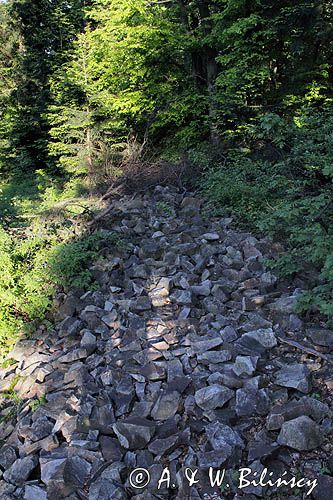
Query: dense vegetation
[(241, 90)]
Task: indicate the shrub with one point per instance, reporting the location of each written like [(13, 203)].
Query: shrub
[(68, 262)]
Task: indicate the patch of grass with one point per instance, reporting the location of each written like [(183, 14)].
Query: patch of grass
[(14, 398), (7, 363), (36, 403), (11, 394), (12, 412)]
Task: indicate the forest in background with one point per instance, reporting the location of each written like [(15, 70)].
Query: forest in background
[(240, 91)]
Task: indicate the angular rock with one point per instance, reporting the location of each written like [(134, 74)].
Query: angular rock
[(104, 489), (214, 459), (111, 450), (7, 456), (162, 446), (182, 297), (162, 289), (213, 396), (20, 470), (281, 413), (256, 342), (321, 336), (153, 371), (134, 433), (324, 488), (211, 236), (228, 334), (191, 205), (284, 305), (147, 355), (166, 406), (265, 337), (68, 308), (76, 472), (107, 377), (220, 435), (22, 349), (6, 490), (296, 376), (245, 365), (203, 289), (47, 444), (315, 409), (41, 428), (202, 346), (214, 357), (51, 468), (102, 418), (260, 449), (80, 353), (141, 304), (34, 492), (301, 434), (88, 339), (250, 402), (175, 369)]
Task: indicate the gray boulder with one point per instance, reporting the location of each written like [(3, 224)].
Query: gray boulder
[(302, 434)]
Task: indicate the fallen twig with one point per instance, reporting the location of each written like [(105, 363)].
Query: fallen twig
[(306, 349), (101, 215)]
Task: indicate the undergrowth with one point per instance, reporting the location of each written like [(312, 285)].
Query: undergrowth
[(43, 246), (278, 181)]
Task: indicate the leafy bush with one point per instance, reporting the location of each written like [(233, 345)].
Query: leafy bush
[(68, 262), (32, 269), (234, 186)]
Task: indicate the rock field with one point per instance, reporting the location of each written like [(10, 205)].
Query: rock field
[(188, 356)]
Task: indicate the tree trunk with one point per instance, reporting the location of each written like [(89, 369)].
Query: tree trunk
[(211, 69), (203, 61)]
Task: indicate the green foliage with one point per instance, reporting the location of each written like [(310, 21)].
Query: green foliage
[(41, 253), (234, 185), (292, 202), (36, 403), (126, 73), (37, 266), (268, 51), (164, 208), (68, 262), (36, 35)]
